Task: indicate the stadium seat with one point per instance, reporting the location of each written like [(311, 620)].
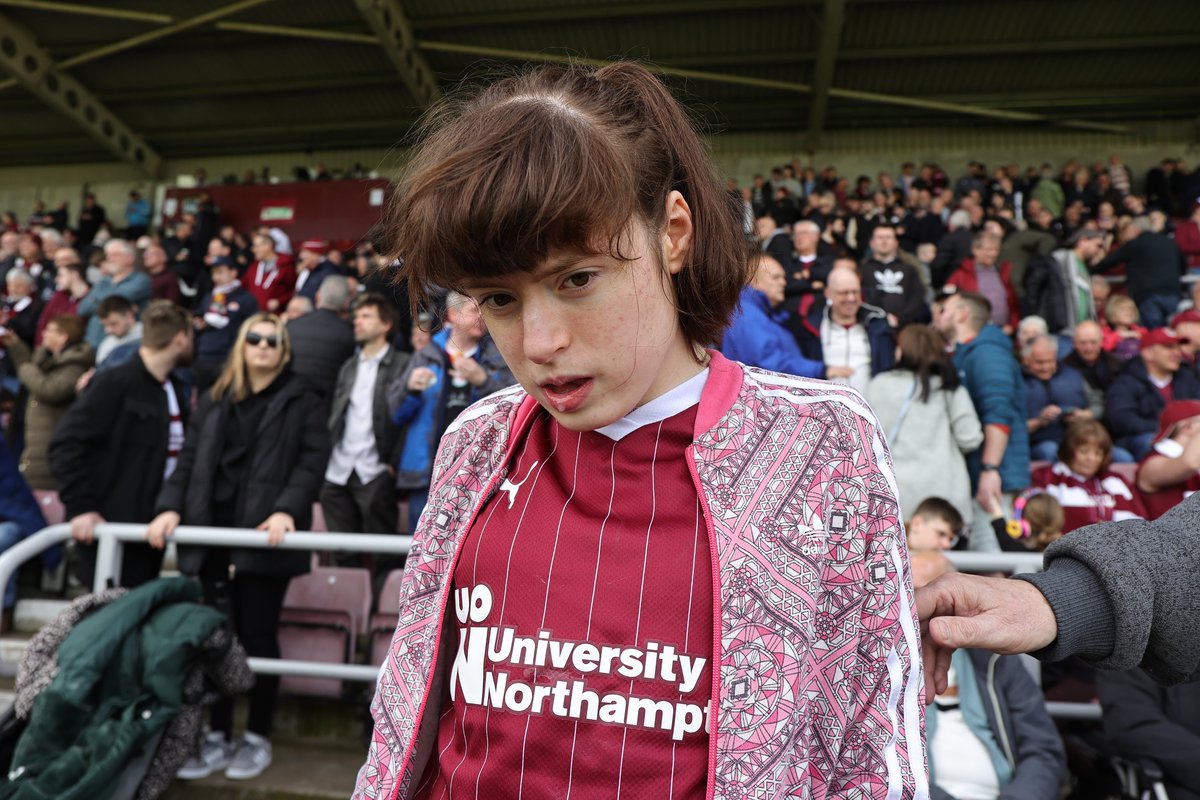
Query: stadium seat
[(383, 621), (318, 520), (324, 613)]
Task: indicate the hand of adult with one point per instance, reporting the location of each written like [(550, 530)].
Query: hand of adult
[(989, 489), (1049, 414), (998, 614), (160, 528), (83, 527), (421, 379), (839, 372), (276, 526), (84, 380), (471, 371)]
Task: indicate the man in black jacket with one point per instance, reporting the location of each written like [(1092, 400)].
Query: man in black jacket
[(1154, 264), (120, 440), (323, 340)]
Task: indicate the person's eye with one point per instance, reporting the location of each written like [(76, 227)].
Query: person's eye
[(494, 302), (579, 280)]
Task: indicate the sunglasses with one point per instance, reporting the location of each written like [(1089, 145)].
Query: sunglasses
[(254, 339)]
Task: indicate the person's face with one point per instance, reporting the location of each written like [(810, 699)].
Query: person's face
[(1087, 342), (884, 243), (1087, 460), (945, 320), (1189, 336), (466, 319), (54, 339), (368, 325), (1163, 357), (263, 248), (1042, 362), (308, 260), (9, 242), (63, 278), (986, 252), (17, 288), (154, 258), (804, 238), (27, 248), (591, 338), (117, 325), (932, 533), (1187, 430), (117, 261), (844, 293), (217, 249), (763, 228), (1125, 314), (420, 338), (260, 355), (770, 280), (223, 275)]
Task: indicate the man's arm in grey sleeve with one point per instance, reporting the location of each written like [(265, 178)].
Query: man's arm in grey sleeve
[(1128, 593)]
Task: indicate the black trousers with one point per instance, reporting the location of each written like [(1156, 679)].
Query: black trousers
[(254, 604), (140, 563), (361, 507)]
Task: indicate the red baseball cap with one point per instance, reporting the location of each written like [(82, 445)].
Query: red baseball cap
[(1159, 336), (1191, 315), (1176, 412), (315, 246)]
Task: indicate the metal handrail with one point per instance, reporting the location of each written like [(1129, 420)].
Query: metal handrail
[(111, 535)]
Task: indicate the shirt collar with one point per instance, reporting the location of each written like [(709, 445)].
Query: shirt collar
[(665, 406)]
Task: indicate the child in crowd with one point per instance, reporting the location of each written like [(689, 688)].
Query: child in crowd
[(1036, 524), (647, 569), (1122, 334), (936, 525)]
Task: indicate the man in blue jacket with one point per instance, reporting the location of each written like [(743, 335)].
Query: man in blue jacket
[(756, 336), (1055, 397), (1137, 396), (984, 359)]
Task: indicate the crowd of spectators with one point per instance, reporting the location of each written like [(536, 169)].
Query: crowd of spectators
[(1016, 332)]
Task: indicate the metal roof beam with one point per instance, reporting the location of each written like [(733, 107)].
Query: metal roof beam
[(579, 13), (389, 22), (783, 86), (21, 55), (150, 36), (831, 35), (90, 10)]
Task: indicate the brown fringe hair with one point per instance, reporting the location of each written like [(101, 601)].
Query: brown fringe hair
[(564, 158)]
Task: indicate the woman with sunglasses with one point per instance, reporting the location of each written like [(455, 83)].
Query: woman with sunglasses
[(254, 457)]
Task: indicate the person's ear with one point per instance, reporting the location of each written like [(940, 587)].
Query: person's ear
[(677, 235)]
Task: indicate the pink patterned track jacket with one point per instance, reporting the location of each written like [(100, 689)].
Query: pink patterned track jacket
[(819, 688)]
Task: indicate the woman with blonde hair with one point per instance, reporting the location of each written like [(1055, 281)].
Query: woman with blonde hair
[(254, 457), (929, 420)]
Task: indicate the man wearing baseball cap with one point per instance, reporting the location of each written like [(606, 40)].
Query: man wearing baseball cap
[(312, 268), (1187, 327), (1171, 472), (1136, 399)]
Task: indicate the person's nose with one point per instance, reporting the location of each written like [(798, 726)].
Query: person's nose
[(544, 332)]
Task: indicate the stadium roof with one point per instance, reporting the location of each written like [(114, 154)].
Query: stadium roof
[(144, 80)]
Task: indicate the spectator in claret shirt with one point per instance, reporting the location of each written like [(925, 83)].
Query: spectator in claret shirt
[(1083, 484), (271, 279), (1170, 472), (1138, 396)]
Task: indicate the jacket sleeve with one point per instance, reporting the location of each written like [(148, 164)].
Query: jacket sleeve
[(885, 713), (994, 390), (1041, 760), (1122, 413), (1123, 594), (56, 386), (964, 422), (1136, 721), (81, 435), (1118, 256), (308, 473)]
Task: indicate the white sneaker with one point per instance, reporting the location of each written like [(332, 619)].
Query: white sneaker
[(215, 754), (252, 757)]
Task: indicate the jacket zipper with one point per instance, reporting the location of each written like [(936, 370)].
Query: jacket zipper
[(714, 704), (1000, 725)]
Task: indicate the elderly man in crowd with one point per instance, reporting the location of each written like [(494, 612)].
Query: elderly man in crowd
[(851, 338), (120, 278), (757, 336), (1055, 396), (1136, 399), (323, 340)]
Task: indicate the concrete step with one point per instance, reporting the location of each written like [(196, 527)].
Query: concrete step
[(298, 771)]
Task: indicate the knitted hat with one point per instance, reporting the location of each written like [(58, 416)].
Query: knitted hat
[(1176, 412)]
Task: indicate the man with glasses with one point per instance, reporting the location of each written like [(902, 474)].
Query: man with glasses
[(853, 339)]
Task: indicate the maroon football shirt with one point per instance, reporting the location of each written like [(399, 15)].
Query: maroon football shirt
[(583, 618)]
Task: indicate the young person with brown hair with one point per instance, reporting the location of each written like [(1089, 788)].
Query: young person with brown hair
[(646, 568)]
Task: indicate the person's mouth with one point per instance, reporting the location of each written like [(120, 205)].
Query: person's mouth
[(566, 393)]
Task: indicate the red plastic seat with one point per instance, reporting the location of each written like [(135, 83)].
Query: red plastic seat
[(387, 614), (324, 613)]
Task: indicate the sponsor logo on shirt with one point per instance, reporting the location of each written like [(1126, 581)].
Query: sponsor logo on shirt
[(482, 648)]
